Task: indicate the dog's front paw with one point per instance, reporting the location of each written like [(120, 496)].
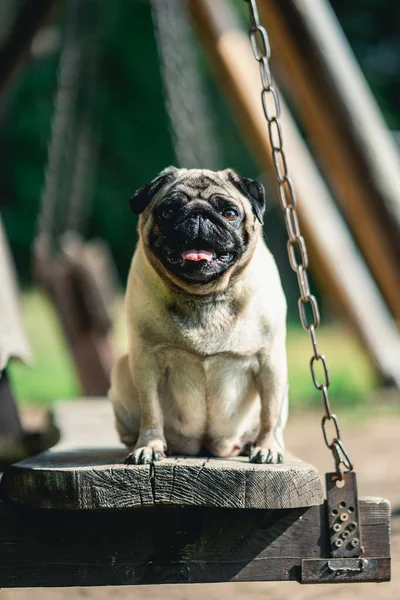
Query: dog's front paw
[(270, 454), (145, 455)]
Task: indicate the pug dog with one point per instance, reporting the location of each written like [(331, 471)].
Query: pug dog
[(206, 316)]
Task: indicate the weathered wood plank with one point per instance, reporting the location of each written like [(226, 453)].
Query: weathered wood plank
[(86, 470), (170, 544), (236, 483)]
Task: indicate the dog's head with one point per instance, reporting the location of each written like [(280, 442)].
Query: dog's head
[(197, 225)]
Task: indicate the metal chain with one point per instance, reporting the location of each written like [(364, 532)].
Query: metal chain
[(296, 246)]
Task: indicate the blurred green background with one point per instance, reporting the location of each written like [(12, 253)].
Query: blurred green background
[(133, 143)]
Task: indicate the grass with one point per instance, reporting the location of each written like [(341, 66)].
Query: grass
[(353, 379), (52, 376)]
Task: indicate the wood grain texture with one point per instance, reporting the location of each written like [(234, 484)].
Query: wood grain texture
[(171, 544), (86, 470), (236, 483)]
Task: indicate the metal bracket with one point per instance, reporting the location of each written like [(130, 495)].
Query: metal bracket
[(343, 515), (345, 570), (344, 535)]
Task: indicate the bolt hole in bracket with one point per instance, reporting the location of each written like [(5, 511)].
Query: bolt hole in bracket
[(343, 522), (343, 516)]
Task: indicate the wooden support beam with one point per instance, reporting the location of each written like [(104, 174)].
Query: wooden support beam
[(335, 260), (15, 47), (357, 152), (172, 544)]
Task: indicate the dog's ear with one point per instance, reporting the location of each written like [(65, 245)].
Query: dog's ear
[(142, 197), (253, 190)]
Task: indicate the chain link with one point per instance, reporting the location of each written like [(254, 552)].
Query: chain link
[(304, 286), (296, 246)]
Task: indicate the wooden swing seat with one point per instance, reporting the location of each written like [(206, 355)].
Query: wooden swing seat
[(76, 515), (86, 471)]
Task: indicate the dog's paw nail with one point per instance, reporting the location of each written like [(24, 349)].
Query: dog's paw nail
[(258, 456), (129, 460), (144, 456), (266, 456)]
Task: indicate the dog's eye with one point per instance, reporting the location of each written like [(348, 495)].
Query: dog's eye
[(167, 213), (230, 214)]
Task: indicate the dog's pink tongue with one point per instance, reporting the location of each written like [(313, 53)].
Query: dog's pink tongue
[(197, 255)]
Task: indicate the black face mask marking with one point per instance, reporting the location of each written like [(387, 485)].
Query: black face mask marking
[(193, 238), (198, 230)]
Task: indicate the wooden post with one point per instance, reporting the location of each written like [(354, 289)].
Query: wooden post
[(335, 260), (91, 350), (357, 153)]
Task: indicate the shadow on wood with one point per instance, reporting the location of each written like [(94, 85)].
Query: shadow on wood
[(171, 544)]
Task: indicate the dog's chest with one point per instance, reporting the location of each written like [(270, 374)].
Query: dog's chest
[(209, 394), (217, 329)]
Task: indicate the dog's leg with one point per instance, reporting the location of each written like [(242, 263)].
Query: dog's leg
[(124, 399), (273, 388), (151, 444), (137, 409)]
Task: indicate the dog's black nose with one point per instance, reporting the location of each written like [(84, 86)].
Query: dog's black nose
[(195, 224)]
